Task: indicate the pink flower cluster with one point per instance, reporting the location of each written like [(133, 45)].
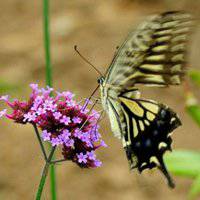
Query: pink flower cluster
[(62, 121)]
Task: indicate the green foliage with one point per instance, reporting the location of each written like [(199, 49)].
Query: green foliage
[(195, 76), (179, 163), (186, 163), (194, 112), (195, 188)]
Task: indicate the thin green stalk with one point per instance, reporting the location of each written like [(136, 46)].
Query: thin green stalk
[(44, 174), (40, 142), (47, 43), (42, 181), (48, 79)]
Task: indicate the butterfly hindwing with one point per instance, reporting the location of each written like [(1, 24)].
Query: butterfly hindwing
[(153, 54), (147, 136)]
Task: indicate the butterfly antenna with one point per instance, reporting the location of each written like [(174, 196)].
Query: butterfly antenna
[(77, 51)]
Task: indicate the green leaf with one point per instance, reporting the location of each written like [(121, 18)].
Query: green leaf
[(193, 108), (195, 76), (195, 188), (194, 112), (183, 163)]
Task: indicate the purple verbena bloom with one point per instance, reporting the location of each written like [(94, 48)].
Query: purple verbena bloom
[(3, 112), (37, 102), (94, 134), (71, 103), (103, 144), (82, 158), (46, 91), (84, 110), (30, 117), (55, 141), (65, 135), (91, 155), (97, 163), (46, 136), (65, 120), (69, 143), (34, 86), (40, 111), (68, 95), (57, 115), (49, 105), (78, 133), (4, 98), (77, 120), (85, 136)]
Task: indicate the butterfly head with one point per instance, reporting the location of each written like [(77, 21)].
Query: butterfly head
[(100, 80)]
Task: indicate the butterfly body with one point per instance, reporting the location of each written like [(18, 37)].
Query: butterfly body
[(152, 55)]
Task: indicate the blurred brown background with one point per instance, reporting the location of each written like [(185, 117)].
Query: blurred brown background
[(97, 27)]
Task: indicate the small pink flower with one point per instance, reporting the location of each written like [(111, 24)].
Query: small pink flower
[(91, 155), (34, 86), (68, 94), (30, 117), (40, 111), (69, 143), (4, 98), (57, 115), (77, 120), (46, 136), (3, 112), (82, 158), (55, 141), (103, 144), (98, 163), (65, 120), (78, 133)]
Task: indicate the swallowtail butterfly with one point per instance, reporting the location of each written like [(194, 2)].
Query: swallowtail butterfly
[(152, 55)]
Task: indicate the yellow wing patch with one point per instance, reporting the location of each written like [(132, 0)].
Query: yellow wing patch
[(150, 106), (141, 125), (133, 106), (150, 116), (135, 130)]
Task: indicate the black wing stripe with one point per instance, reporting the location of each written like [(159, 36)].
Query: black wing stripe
[(127, 122)]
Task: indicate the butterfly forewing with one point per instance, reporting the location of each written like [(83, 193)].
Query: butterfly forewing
[(154, 54)]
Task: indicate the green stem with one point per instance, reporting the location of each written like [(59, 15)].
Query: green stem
[(44, 175), (48, 78), (42, 181), (47, 43), (40, 142)]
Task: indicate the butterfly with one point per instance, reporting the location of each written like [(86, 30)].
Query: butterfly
[(152, 55)]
